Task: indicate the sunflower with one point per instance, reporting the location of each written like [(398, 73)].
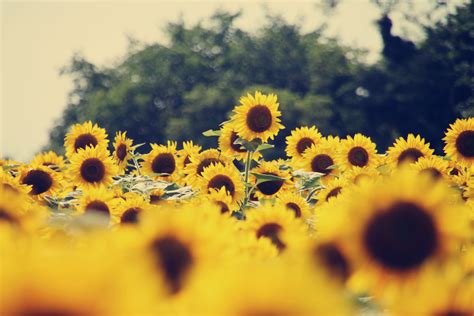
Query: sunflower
[(43, 180), (83, 135), (270, 188), (122, 146), (189, 149), (281, 227), (301, 138), (92, 166), (227, 143), (459, 174), (223, 200), (96, 200), (179, 242), (332, 189), (49, 159), (13, 208), (217, 176), (396, 227), (435, 166), (357, 151), (295, 203), (459, 141), (8, 182), (156, 196), (322, 158), (129, 211), (357, 175), (257, 117), (161, 162), (198, 162), (408, 150)]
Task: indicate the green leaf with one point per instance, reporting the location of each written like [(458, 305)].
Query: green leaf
[(261, 178), (249, 146), (265, 147), (212, 133)]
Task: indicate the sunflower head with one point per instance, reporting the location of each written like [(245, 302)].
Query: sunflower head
[(257, 116), (83, 135), (42, 180), (198, 162), (122, 147), (271, 188), (96, 200), (218, 176), (434, 166), (301, 139), (357, 151), (129, 210), (227, 143), (459, 141), (49, 159), (408, 150), (295, 203), (322, 157), (189, 149), (161, 162)]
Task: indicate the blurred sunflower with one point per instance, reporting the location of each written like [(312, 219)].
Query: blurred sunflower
[(357, 175), (96, 200), (295, 203), (459, 141), (8, 182), (49, 159), (161, 162), (13, 208), (396, 227), (43, 180), (301, 138), (217, 176), (257, 117), (277, 224), (82, 135), (92, 166), (122, 146), (435, 166), (357, 151), (331, 189), (129, 211), (271, 188), (156, 196), (189, 149), (408, 150)]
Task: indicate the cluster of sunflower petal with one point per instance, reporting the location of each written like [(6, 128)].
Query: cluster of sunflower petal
[(335, 229)]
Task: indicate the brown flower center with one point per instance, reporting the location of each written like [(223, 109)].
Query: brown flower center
[(401, 237), (7, 217), (206, 163), (303, 144), (131, 215), (173, 258), (259, 119), (121, 152), (92, 170), (433, 172), (272, 231), (99, 207), (333, 259), (358, 156), (163, 163), (155, 199), (224, 208), (85, 140), (333, 193), (465, 144), (321, 162), (220, 181), (40, 181), (410, 155), (295, 208), (236, 147), (270, 187)]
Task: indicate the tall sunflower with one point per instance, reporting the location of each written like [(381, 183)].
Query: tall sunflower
[(357, 151), (257, 117), (43, 180), (122, 146), (408, 150), (459, 141), (82, 135), (301, 138), (271, 188), (161, 162), (92, 166), (218, 176)]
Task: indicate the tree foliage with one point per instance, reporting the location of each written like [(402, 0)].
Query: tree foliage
[(177, 91)]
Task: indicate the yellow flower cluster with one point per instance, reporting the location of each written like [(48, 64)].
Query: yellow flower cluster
[(336, 228)]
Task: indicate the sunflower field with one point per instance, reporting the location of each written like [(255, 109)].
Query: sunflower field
[(336, 228)]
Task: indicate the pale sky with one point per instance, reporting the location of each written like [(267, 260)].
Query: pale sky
[(38, 38)]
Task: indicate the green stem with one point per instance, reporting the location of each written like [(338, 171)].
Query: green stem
[(248, 163), (310, 195), (135, 162)]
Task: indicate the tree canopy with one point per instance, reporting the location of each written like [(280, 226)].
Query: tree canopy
[(178, 90)]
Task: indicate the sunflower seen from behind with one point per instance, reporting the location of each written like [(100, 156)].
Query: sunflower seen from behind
[(459, 141), (257, 116), (92, 166), (83, 135)]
